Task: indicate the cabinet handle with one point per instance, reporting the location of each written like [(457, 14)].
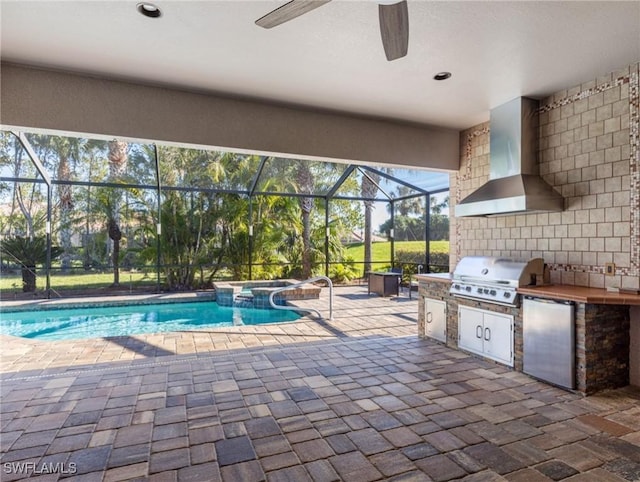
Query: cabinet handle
[(478, 331), (487, 334), (429, 317)]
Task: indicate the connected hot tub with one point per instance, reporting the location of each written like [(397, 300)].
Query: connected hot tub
[(255, 294)]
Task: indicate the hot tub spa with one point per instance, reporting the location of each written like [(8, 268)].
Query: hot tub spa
[(256, 293)]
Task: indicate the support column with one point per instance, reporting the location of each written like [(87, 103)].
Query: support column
[(392, 233), (250, 238), (427, 233), (326, 237), (48, 232), (159, 223)]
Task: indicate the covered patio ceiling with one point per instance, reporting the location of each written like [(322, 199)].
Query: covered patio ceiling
[(332, 58)]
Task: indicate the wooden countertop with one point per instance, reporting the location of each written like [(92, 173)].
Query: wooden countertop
[(581, 294)]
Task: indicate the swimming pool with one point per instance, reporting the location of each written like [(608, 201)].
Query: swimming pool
[(78, 323)]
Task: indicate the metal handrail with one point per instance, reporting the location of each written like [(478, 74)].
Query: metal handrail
[(296, 285)]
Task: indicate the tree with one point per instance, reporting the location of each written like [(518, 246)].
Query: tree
[(200, 226), (439, 228), (406, 228), (304, 179), (438, 206), (368, 190), (28, 252), (67, 150), (117, 166), (27, 213), (411, 228), (94, 252), (409, 206)]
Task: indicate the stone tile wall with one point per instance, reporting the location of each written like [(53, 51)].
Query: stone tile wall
[(589, 140)]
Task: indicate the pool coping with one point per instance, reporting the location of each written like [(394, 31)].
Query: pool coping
[(131, 300), (101, 301)]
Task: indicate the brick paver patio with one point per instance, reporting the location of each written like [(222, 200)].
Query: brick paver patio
[(359, 398)]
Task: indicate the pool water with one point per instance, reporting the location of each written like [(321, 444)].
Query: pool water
[(78, 323)]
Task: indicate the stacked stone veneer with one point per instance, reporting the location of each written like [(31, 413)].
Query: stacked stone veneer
[(435, 290), (589, 141), (601, 332), (602, 347)]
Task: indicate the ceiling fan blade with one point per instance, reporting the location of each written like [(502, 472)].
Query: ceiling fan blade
[(394, 28), (289, 11)]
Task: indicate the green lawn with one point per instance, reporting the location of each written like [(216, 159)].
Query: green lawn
[(13, 282), (381, 255), (381, 252)]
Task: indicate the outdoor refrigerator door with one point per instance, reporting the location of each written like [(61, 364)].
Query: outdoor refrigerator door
[(549, 341)]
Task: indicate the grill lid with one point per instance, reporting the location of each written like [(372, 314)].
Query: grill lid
[(488, 270)]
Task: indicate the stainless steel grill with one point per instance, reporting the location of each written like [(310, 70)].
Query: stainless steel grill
[(494, 280)]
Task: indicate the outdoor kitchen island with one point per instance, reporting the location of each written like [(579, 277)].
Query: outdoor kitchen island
[(602, 327)]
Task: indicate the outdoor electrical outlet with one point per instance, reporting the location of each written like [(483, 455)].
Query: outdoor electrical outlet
[(609, 269)]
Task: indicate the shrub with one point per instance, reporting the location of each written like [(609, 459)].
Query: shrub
[(409, 261), (28, 252), (344, 272)]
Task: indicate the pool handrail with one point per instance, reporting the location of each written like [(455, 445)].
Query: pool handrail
[(296, 285)]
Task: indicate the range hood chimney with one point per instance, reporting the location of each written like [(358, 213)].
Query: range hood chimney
[(514, 184)]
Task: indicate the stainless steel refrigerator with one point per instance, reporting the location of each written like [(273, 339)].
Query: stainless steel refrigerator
[(549, 341)]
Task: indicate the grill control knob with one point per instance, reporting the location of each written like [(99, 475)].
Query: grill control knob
[(457, 287), (467, 288), (507, 294), (492, 292), (480, 290)]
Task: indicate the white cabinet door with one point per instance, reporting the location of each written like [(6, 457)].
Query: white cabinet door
[(470, 329), (486, 333), (435, 317), (498, 337)]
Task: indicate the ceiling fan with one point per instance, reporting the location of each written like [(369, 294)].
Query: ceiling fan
[(394, 22)]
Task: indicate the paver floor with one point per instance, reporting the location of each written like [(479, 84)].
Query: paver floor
[(356, 398)]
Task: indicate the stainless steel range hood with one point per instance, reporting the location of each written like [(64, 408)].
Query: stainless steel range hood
[(514, 184)]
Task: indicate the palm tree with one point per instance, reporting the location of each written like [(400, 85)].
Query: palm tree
[(94, 152), (67, 149), (117, 165), (28, 252), (437, 207), (368, 190), (202, 227), (408, 206), (439, 228), (304, 179)]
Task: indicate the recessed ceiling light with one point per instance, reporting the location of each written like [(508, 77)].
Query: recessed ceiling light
[(149, 10), (442, 76)]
